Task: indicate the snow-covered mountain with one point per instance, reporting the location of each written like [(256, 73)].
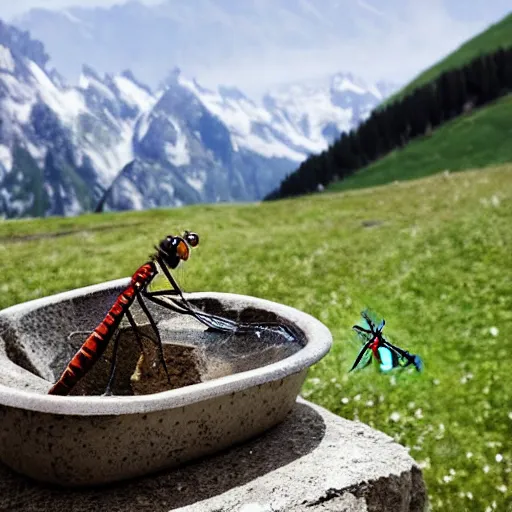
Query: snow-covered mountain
[(196, 144), (112, 140), (60, 147)]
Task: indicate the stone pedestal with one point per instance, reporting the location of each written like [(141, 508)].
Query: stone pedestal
[(312, 461)]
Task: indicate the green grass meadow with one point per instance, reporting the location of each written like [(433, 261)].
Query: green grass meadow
[(432, 256), (478, 139)]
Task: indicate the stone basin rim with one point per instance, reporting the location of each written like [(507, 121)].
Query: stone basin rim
[(319, 342)]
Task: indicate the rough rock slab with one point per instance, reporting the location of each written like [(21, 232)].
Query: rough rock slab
[(312, 461)]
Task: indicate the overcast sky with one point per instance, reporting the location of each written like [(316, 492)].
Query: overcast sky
[(420, 34), (459, 10), (10, 8)]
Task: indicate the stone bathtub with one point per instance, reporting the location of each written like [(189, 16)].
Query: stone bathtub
[(227, 388)]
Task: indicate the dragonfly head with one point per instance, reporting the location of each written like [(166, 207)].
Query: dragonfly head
[(174, 249)]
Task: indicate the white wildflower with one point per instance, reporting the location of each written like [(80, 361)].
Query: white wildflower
[(499, 457), (424, 464), (418, 414), (494, 331), (345, 400), (486, 468), (469, 455), (466, 378), (395, 416)]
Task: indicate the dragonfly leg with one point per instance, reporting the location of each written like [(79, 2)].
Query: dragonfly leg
[(360, 329), (108, 389), (155, 328), (175, 287), (135, 329)]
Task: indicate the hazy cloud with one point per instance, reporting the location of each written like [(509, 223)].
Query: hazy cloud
[(416, 37), (11, 8), (412, 35)]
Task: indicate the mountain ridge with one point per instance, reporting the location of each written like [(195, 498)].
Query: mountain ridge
[(114, 138), (399, 140)]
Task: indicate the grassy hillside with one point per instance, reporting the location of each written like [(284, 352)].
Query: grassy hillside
[(496, 36), (480, 139), (435, 263)]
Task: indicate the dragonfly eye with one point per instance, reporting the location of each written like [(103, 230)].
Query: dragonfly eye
[(182, 249), (191, 238)]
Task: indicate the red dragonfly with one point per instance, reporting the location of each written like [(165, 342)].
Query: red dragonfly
[(171, 251)]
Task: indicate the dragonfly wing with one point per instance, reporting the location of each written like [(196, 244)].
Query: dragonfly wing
[(367, 319), (363, 358), (372, 320), (181, 305), (214, 321), (219, 323), (363, 334)]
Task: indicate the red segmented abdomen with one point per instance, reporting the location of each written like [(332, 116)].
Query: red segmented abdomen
[(375, 348), (97, 341)]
